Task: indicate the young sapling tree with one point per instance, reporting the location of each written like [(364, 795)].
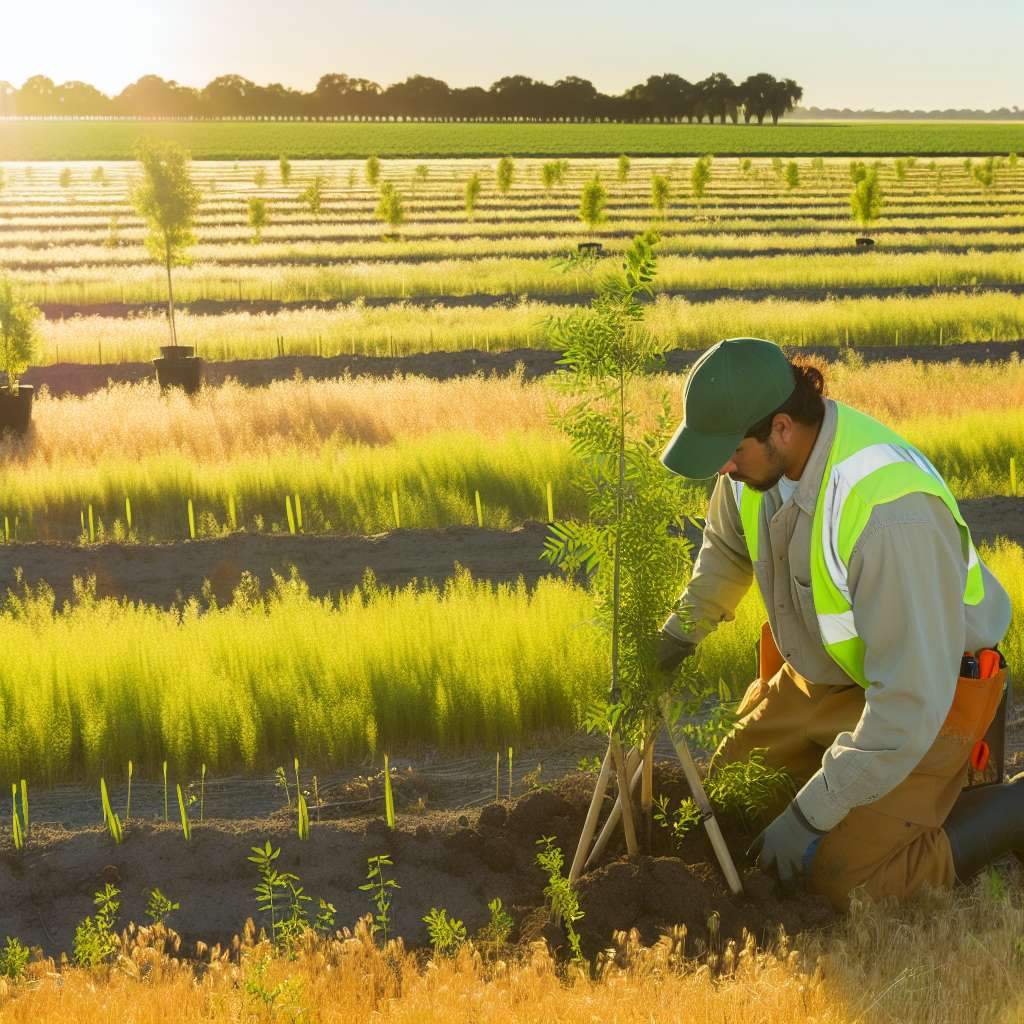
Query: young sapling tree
[(866, 199), (167, 200), (19, 335), (257, 218)]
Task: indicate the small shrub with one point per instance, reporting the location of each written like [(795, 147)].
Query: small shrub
[(95, 942), (13, 959), (446, 933)]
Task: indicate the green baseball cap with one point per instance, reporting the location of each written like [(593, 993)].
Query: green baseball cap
[(733, 385)]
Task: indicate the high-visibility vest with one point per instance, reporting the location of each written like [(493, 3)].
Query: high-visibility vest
[(868, 465)]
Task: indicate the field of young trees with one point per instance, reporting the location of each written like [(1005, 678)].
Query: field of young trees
[(173, 616)]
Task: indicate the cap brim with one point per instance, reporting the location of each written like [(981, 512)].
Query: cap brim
[(693, 454)]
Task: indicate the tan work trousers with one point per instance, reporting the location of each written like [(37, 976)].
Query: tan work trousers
[(892, 846)]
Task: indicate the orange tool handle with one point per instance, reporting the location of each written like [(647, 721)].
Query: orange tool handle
[(988, 664), (979, 756)]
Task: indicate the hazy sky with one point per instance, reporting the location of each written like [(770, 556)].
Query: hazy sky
[(867, 53)]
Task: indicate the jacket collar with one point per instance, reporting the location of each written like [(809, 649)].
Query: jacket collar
[(806, 494)]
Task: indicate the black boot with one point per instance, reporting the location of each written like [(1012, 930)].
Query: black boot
[(985, 824)]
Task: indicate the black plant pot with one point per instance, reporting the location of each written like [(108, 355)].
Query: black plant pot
[(178, 372), (16, 410), (590, 248), (864, 240), (177, 351)]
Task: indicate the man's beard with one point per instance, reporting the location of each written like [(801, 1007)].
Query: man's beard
[(778, 470)]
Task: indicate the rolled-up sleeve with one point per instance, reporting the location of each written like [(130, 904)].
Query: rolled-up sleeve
[(907, 577), (721, 574)]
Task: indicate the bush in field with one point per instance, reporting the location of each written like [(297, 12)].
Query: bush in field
[(372, 169), (746, 165), (420, 175), (389, 207), (284, 166), (593, 200), (866, 199), (504, 174), (622, 167), (551, 174), (472, 194), (65, 177), (257, 217), (661, 193), (700, 177), (792, 175), (858, 171), (900, 169), (313, 194), (985, 173), (99, 176), (18, 334), (167, 200)]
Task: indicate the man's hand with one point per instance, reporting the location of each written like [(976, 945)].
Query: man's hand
[(783, 846), (672, 652)]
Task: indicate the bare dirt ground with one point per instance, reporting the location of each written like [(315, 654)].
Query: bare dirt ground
[(84, 378), (455, 860), (164, 574)]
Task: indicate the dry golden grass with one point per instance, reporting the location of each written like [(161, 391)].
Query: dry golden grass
[(135, 421), (955, 959)]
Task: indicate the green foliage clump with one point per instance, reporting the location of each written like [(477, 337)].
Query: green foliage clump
[(257, 217), (700, 177), (472, 194), (390, 208), (95, 941), (561, 896), (284, 168), (866, 199), (661, 192), (372, 169), (622, 167), (593, 200), (159, 907), (494, 935), (504, 174), (14, 959), (792, 175), (19, 334), (446, 933), (313, 194)]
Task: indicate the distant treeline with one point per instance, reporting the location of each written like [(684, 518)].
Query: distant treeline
[(845, 114), (661, 98)]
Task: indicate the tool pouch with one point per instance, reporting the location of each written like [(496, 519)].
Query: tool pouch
[(987, 764)]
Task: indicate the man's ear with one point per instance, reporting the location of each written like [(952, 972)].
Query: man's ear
[(782, 429)]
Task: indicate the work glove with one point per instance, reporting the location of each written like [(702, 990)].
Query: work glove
[(672, 652), (784, 848)]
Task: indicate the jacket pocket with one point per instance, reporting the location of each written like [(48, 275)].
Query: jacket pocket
[(805, 602)]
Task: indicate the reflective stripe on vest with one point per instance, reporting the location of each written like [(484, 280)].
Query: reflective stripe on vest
[(868, 465)]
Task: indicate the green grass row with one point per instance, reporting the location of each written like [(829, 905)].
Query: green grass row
[(249, 685), (513, 277), (401, 329), (242, 253), (429, 481), (114, 140)]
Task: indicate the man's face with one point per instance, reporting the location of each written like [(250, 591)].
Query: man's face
[(756, 464)]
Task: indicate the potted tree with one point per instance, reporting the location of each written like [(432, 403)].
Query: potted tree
[(167, 201), (866, 203), (18, 345)]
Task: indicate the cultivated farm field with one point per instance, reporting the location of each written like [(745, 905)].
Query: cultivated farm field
[(331, 554)]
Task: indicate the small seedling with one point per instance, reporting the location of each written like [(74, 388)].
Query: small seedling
[(186, 826), (380, 888), (446, 933), (159, 907), (202, 792), (389, 798), (95, 941), (128, 805), (303, 820), (113, 822), (495, 934), (166, 817), (14, 959), (564, 901), (281, 781)]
